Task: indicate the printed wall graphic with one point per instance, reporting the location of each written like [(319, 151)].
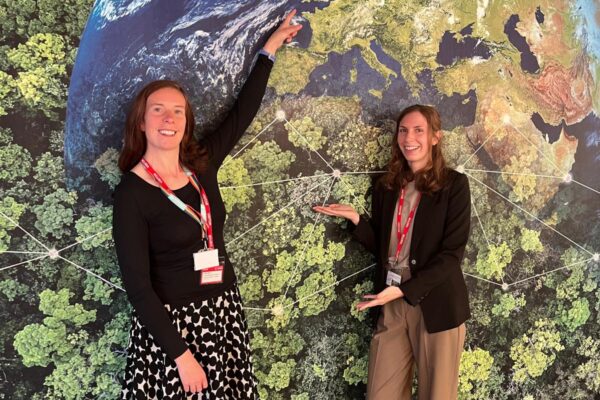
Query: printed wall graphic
[(516, 82)]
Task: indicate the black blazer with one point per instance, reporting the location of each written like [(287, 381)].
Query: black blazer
[(440, 234)]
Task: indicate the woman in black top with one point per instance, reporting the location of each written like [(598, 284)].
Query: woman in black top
[(188, 332), (418, 231)]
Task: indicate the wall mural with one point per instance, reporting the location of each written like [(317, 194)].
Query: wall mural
[(517, 84)]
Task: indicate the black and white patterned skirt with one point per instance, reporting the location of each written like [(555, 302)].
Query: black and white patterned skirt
[(216, 333)]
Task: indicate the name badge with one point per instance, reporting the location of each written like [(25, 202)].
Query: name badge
[(206, 259), (393, 279), (212, 275)]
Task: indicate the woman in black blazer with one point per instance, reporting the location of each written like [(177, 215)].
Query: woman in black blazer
[(418, 231)]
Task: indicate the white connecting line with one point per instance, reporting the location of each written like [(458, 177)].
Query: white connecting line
[(309, 237), (53, 253)]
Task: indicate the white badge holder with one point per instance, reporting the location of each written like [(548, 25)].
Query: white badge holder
[(206, 258)]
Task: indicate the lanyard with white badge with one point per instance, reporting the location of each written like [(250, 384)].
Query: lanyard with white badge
[(205, 260), (393, 278)]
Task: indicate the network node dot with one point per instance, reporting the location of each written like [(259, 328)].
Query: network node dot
[(337, 173), (280, 115), (505, 286), (460, 169), (568, 178), (277, 310), (506, 119), (596, 257), (53, 254)]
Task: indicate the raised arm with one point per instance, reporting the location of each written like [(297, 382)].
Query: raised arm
[(220, 142)]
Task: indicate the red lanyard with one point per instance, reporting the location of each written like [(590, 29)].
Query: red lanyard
[(203, 217), (401, 233)]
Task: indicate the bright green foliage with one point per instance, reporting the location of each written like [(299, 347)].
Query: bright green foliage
[(15, 163), (251, 288), (493, 265), (7, 93), (352, 189), (359, 291), (357, 360), (95, 225), (12, 289), (475, 366), (279, 230), (301, 396), (283, 311), (40, 344), (6, 136), (535, 351), (285, 344), (13, 210), (108, 168), (305, 134), (49, 171), (309, 251), (589, 371), (234, 173), (41, 64), (25, 18), (316, 293), (279, 376), (530, 241), (68, 379), (267, 162), (570, 288), (508, 303), (361, 147), (577, 315), (55, 214), (313, 252)]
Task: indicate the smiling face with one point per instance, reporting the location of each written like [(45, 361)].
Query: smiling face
[(164, 119), (416, 139)]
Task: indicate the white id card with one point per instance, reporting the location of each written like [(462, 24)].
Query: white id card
[(205, 259), (393, 279), (211, 275)]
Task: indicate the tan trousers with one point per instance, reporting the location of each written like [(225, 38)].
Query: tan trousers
[(401, 340)]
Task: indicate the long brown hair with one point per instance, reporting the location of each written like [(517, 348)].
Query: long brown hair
[(191, 153), (433, 176)]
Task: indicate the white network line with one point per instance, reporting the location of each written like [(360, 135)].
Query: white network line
[(84, 239), (309, 145), (24, 262), (481, 224), (328, 286), (514, 173), (300, 197), (23, 252), (480, 146), (252, 140), (23, 229), (551, 271), (293, 274), (278, 181), (482, 279), (537, 149), (92, 273), (530, 214)]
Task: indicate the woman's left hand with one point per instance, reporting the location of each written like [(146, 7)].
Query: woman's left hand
[(385, 296), (285, 33)]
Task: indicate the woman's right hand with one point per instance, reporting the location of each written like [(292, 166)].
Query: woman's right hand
[(339, 210), (191, 373)]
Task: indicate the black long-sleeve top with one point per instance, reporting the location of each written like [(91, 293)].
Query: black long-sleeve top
[(155, 240)]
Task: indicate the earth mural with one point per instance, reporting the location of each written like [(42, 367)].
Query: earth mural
[(517, 84)]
